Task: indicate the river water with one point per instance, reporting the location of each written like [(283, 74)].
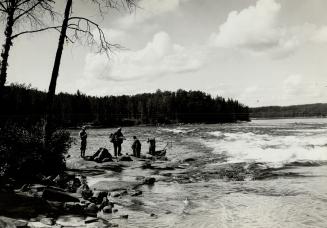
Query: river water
[(296, 196)]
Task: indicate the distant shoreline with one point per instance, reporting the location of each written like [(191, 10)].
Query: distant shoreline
[(276, 118)]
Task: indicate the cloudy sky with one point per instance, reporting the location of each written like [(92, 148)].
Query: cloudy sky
[(261, 52)]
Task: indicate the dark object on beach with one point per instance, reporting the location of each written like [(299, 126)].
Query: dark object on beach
[(187, 160), (123, 216), (92, 208), (136, 193), (85, 191), (125, 158), (160, 153), (107, 209), (149, 180), (55, 195), (74, 207), (90, 220), (105, 202), (98, 196), (101, 155)]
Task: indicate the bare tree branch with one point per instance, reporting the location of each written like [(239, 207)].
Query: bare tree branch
[(27, 11), (37, 30), (3, 6)]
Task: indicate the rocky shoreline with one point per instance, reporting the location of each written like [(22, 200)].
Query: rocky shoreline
[(67, 200), (91, 194)]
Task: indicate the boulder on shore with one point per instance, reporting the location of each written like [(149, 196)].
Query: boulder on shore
[(107, 209), (149, 180), (125, 158), (98, 196), (59, 196), (85, 191), (11, 223)]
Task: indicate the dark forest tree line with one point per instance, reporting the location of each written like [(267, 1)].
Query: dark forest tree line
[(306, 110), (24, 104)]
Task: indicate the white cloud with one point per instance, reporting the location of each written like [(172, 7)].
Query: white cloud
[(295, 88), (256, 29), (320, 35), (253, 27), (292, 85), (159, 57), (148, 9)]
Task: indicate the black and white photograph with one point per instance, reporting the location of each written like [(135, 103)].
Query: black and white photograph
[(163, 113)]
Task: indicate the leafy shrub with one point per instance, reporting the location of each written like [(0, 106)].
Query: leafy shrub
[(24, 156), (59, 146)]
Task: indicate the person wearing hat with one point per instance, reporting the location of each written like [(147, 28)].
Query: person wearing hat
[(83, 137), (117, 139)]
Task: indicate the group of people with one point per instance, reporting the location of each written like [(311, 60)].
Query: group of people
[(117, 138)]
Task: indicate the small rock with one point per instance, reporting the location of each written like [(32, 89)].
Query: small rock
[(123, 216), (90, 220), (54, 195), (85, 191), (25, 188), (48, 221), (9, 222), (189, 160), (98, 196), (115, 194), (115, 210), (139, 178), (71, 221), (58, 179), (92, 208), (107, 209), (73, 207), (105, 202), (37, 225), (118, 193), (136, 193), (125, 158), (107, 160), (153, 215), (147, 165), (149, 180)]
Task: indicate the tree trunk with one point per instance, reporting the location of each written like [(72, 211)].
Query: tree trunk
[(49, 125), (5, 51)]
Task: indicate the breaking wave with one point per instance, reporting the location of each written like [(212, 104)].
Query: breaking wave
[(271, 148)]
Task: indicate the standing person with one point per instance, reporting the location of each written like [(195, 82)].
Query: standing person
[(136, 146), (152, 146), (83, 137), (117, 139)]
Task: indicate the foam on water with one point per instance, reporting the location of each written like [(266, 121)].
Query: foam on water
[(289, 146), (178, 130)]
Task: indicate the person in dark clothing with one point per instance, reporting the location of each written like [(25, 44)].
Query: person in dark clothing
[(152, 146), (136, 147), (117, 139), (83, 137)]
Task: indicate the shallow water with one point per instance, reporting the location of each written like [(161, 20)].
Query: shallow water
[(284, 201)]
